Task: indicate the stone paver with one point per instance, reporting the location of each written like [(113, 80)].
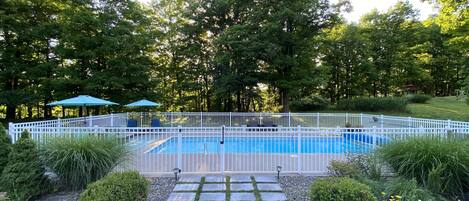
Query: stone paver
[(213, 187), (190, 179), (265, 179), (273, 196), (240, 178), (243, 197), (212, 196), (215, 179), (181, 197), (186, 187), (269, 187), (242, 187)]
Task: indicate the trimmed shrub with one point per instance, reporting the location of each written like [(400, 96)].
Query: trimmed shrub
[(418, 98), (440, 165), (373, 104), (370, 165), (78, 161), (309, 103), (23, 177), (343, 169), (5, 148), (340, 189), (117, 187)]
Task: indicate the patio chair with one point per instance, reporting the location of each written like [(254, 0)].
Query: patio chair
[(155, 123), (131, 123)]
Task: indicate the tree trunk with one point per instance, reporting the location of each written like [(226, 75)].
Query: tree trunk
[(285, 100)]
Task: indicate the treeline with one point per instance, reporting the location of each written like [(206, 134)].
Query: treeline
[(223, 55)]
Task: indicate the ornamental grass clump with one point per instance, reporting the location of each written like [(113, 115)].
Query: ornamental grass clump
[(23, 176), (439, 164), (81, 160)]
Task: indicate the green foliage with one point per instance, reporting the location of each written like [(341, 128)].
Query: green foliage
[(340, 189), (343, 169), (408, 190), (23, 176), (5, 148), (309, 103), (79, 161), (373, 104), (117, 187), (418, 98), (370, 165), (439, 164)]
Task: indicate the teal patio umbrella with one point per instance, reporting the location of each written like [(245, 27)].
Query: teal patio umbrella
[(143, 103), (82, 101)]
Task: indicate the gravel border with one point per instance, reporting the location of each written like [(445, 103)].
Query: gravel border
[(160, 188), (296, 187)]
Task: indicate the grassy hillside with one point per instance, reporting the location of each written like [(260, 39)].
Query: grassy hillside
[(441, 108)]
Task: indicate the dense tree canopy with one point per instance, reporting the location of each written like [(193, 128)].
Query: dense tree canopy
[(224, 55)]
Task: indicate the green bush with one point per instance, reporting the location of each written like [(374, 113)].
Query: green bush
[(23, 176), (309, 103), (340, 189), (418, 98), (370, 165), (5, 148), (408, 190), (373, 104), (79, 161), (343, 169), (117, 187), (441, 165)]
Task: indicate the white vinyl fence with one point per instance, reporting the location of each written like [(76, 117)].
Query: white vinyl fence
[(239, 148)]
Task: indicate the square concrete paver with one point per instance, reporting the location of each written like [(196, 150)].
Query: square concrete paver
[(243, 197), (186, 187), (269, 187), (213, 187), (265, 179), (273, 196), (240, 179), (212, 196), (242, 187), (181, 197), (215, 179), (190, 179)]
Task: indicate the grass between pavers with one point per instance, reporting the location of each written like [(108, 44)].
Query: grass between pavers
[(228, 188), (199, 190), (256, 190)]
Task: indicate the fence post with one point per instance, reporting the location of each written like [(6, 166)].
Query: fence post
[(346, 118), (59, 122), (230, 119), (179, 148), (409, 119), (449, 124), (374, 137), (289, 119), (201, 120), (299, 149), (91, 120), (171, 119), (222, 149), (11, 132), (317, 119), (112, 120), (361, 119), (382, 121)]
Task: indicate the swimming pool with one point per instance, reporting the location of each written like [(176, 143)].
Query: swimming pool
[(278, 145)]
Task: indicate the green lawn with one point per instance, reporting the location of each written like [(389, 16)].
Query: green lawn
[(441, 108), (437, 108)]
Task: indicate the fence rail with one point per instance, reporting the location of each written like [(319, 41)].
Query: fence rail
[(240, 149)]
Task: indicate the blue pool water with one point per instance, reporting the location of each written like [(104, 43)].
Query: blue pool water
[(283, 145)]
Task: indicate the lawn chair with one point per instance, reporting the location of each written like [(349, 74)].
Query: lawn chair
[(155, 123), (131, 123)]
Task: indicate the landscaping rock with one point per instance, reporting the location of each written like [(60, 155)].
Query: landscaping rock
[(160, 188), (296, 187)]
